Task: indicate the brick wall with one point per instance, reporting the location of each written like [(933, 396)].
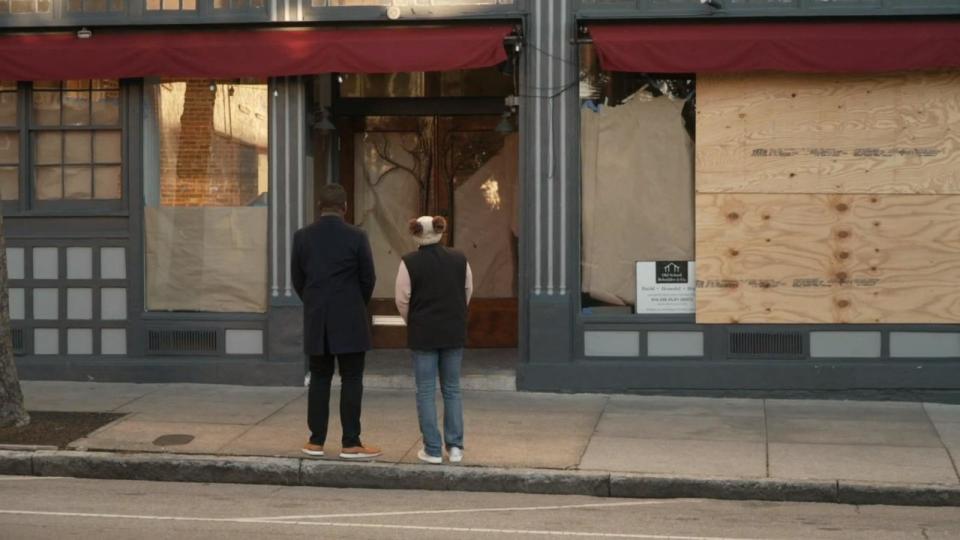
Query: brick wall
[(204, 160)]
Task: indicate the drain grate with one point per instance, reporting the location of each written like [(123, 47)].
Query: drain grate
[(175, 341), (175, 439), (766, 344)]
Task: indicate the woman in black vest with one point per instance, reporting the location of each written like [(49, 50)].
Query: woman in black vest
[(433, 290)]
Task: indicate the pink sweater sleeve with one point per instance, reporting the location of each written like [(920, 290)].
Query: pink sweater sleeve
[(469, 284), (402, 291)]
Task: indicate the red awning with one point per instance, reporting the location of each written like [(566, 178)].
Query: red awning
[(249, 53), (826, 47)]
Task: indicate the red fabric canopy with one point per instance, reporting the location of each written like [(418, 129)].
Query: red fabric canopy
[(825, 47), (249, 53)]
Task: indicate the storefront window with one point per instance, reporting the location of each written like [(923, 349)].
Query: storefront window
[(96, 6), (345, 3), (171, 5), (25, 6), (205, 191), (9, 143), (238, 4), (487, 82), (76, 143), (637, 153)]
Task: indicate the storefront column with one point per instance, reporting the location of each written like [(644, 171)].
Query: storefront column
[(550, 105), (290, 176)]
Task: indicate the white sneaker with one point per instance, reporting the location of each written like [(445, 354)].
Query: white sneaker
[(427, 458), (456, 455)]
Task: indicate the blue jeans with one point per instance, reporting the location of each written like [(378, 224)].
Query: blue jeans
[(427, 365)]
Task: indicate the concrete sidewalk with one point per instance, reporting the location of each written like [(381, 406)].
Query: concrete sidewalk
[(882, 443)]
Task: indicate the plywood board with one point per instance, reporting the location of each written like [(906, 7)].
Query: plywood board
[(830, 258), (802, 133)]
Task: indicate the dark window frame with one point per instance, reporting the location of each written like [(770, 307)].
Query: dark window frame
[(12, 204), (109, 5), (28, 204)]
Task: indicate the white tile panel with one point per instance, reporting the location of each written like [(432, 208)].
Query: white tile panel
[(925, 344), (845, 344), (45, 263), (674, 344), (79, 341), (46, 304), (244, 341), (46, 341), (18, 304), (113, 341), (15, 260), (79, 263), (113, 304), (611, 343), (113, 263), (80, 304)]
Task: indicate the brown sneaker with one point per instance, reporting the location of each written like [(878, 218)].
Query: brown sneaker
[(311, 449), (364, 451)]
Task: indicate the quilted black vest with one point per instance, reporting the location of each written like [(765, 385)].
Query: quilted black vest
[(438, 306)]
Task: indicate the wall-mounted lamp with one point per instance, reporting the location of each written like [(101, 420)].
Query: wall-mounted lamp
[(324, 124), (505, 125), (393, 13), (84, 33), (213, 87)]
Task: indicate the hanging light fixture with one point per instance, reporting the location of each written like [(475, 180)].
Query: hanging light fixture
[(505, 125), (325, 124)]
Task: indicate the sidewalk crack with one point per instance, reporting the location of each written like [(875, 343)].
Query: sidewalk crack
[(596, 425), (280, 408), (262, 420), (946, 448), (138, 398)]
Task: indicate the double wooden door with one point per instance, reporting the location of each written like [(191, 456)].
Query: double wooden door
[(400, 167)]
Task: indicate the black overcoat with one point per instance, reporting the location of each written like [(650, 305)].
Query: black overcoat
[(332, 272)]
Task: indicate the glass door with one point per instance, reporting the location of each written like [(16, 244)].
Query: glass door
[(401, 167)]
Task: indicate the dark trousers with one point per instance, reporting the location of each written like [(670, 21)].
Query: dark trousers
[(351, 396)]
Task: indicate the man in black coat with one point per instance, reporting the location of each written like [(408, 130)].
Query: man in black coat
[(333, 274)]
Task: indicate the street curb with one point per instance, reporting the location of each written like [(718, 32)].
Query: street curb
[(323, 473), (13, 462), (891, 494), (671, 487)]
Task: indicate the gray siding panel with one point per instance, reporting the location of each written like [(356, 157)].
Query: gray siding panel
[(925, 345), (599, 343), (846, 344)]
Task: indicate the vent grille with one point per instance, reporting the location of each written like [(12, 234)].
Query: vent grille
[(766, 343), (182, 341), (16, 336)]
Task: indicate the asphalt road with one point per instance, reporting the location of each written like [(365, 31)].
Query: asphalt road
[(62, 508)]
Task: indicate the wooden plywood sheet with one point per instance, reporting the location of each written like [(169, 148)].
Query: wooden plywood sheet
[(802, 133), (830, 258)]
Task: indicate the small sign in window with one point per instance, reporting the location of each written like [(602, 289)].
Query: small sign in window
[(666, 287)]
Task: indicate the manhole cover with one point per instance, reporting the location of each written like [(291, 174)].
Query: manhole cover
[(173, 440)]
